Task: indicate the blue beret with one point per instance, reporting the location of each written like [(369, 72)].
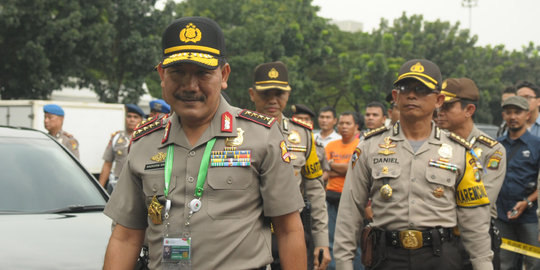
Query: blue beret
[(159, 105), (53, 109), (135, 109)]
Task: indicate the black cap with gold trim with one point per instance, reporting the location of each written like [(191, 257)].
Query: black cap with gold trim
[(196, 40), (422, 70), (272, 75)]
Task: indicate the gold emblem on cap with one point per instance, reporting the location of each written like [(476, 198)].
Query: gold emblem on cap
[(236, 141), (445, 151), (294, 137), (386, 191), (159, 157), (273, 73), (438, 192), (190, 34), (417, 68)]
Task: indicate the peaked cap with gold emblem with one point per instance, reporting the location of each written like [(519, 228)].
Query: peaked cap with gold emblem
[(272, 75), (455, 89), (196, 40), (422, 70)]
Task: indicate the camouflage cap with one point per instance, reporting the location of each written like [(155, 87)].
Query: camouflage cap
[(422, 70), (273, 75), (455, 89)]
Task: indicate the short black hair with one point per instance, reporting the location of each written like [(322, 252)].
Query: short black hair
[(509, 90), (521, 84), (328, 109), (354, 115), (377, 104), (465, 102)]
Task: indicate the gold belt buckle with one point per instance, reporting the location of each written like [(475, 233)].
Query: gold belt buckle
[(411, 239)]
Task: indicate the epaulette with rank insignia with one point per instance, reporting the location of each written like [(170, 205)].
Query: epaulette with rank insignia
[(258, 118), (374, 132), (460, 140), (302, 123), (487, 141), (148, 126)]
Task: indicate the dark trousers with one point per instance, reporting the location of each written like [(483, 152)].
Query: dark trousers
[(421, 259)]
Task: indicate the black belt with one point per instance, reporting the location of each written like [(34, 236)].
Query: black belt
[(413, 239)]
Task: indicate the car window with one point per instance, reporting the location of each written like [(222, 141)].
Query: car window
[(37, 175)]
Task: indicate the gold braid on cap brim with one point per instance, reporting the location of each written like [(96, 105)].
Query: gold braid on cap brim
[(202, 58), (431, 84), (448, 96)]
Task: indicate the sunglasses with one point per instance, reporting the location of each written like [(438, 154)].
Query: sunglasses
[(420, 90)]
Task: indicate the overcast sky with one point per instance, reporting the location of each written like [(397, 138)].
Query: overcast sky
[(512, 23)]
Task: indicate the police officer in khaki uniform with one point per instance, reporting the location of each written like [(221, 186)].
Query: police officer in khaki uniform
[(456, 115), (116, 151), (305, 114), (270, 94), (54, 120), (205, 181), (423, 182)]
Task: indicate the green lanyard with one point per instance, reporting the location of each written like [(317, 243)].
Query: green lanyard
[(203, 170)]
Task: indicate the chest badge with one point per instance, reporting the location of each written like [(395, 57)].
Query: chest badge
[(236, 141), (154, 211), (387, 145), (478, 151), (386, 191), (294, 137), (438, 192), (159, 157), (445, 151)]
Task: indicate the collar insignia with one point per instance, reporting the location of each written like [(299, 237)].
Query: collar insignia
[(166, 133), (226, 122), (302, 123)]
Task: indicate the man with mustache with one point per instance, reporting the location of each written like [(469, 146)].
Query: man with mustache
[(205, 181), (456, 115), (422, 184), (517, 201), (270, 93)]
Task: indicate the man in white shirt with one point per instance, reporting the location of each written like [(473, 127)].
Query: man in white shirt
[(327, 121)]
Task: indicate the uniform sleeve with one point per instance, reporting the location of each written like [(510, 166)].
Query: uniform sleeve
[(108, 155), (494, 178), (350, 217), (126, 205), (73, 145), (279, 188), (473, 222)]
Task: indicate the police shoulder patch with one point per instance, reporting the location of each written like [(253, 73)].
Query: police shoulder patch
[(487, 141), (302, 123), (460, 140), (148, 126), (258, 118), (374, 132)]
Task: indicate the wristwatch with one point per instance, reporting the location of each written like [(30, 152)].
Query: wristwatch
[(529, 203)]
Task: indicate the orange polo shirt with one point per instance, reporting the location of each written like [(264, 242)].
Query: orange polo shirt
[(339, 153)]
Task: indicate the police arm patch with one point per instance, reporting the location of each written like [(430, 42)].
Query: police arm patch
[(355, 156), (312, 169), (471, 192)]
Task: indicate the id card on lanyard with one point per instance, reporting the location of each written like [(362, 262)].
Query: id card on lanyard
[(177, 242)]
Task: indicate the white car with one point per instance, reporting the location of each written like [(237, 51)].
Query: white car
[(50, 206)]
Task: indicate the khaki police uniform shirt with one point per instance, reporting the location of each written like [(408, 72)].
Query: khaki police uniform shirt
[(423, 196), (117, 150), (300, 142), (492, 156), (67, 140), (231, 229)]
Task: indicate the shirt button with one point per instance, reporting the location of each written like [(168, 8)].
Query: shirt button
[(411, 225), (191, 153), (190, 179), (412, 201), (413, 180), (229, 181), (448, 180), (433, 176)]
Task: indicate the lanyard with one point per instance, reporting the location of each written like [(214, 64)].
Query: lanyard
[(203, 169)]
